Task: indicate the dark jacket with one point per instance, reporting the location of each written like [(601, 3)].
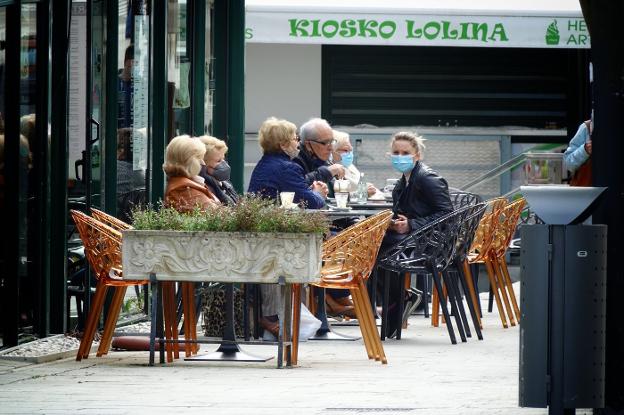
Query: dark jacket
[(276, 173), (224, 191), (422, 200), (314, 168)]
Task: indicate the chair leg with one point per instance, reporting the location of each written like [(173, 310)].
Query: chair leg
[(92, 321), (358, 306), (192, 324), (296, 293), (186, 299), (438, 286), (465, 281), (111, 320), (454, 278), (499, 303), (503, 290), (426, 296), (435, 308), (369, 320), (168, 303), (384, 303), (455, 307), (512, 294), (469, 285)]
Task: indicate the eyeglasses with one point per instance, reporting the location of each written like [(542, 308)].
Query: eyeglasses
[(325, 143), (296, 138)]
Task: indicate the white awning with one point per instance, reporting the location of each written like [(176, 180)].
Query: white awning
[(482, 23)]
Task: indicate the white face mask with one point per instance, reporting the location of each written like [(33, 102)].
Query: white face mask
[(292, 153)]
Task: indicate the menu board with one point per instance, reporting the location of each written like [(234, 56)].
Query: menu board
[(77, 85), (140, 97)]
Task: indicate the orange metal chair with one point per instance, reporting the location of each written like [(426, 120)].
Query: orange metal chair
[(348, 259), (489, 246), (103, 250), (169, 303)]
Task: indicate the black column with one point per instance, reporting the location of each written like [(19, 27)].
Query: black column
[(58, 172), (11, 215), (606, 18)]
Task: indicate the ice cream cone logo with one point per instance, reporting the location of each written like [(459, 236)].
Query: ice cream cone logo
[(552, 34)]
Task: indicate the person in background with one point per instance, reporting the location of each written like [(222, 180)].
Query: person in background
[(315, 151), (420, 197), (124, 91), (130, 182), (216, 171), (580, 147), (343, 154), (277, 172), (186, 190)]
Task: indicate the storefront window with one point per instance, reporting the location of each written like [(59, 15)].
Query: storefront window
[(179, 67), (132, 104), (209, 68)]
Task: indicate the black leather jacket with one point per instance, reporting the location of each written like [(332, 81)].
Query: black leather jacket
[(422, 200)]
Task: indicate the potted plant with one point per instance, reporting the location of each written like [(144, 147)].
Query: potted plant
[(254, 241)]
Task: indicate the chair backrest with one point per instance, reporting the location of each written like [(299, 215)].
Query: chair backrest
[(461, 199), (434, 243), (102, 245), (487, 226), (506, 227), (468, 229), (110, 220), (355, 249)]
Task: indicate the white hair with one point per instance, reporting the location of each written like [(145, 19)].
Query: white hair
[(309, 130), (341, 138)]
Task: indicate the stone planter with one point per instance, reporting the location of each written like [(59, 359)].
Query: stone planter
[(221, 256)]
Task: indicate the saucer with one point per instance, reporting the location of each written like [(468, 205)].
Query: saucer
[(337, 209)]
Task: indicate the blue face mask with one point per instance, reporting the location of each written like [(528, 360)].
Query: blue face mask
[(403, 164), (347, 159)]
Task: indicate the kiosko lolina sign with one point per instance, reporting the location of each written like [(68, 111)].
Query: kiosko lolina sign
[(422, 30)]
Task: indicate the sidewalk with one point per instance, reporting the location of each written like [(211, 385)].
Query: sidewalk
[(425, 374)]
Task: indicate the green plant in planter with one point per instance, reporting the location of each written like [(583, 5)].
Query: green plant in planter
[(251, 214)]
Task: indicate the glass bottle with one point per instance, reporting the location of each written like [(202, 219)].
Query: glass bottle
[(362, 189)]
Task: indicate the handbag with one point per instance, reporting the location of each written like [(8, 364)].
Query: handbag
[(583, 175)]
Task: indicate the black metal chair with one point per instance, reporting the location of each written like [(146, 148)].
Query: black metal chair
[(460, 199), (429, 250), (464, 241)]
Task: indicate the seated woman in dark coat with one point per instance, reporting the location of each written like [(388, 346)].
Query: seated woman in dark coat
[(216, 171), (420, 197), (275, 173)]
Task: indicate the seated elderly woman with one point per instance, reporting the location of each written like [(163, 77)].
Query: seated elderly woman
[(343, 154), (216, 171), (420, 197), (275, 173), (186, 190)]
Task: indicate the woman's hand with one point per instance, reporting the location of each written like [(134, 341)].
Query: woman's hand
[(400, 224), (337, 170), (320, 188), (588, 147), (371, 189)]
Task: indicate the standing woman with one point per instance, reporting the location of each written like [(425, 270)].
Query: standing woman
[(186, 190)]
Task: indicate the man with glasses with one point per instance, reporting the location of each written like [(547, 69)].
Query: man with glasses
[(317, 140)]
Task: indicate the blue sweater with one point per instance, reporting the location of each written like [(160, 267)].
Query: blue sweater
[(575, 155), (276, 173)]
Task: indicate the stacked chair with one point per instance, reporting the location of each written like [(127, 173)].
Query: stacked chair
[(170, 302), (348, 259), (430, 250), (103, 250), (491, 242)]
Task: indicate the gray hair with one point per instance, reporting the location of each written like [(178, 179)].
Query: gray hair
[(341, 138), (309, 130)]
